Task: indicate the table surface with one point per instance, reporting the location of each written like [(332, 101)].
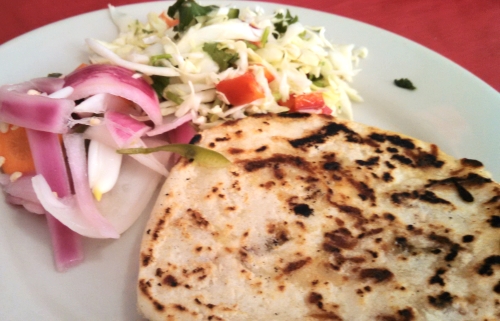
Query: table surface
[(465, 31)]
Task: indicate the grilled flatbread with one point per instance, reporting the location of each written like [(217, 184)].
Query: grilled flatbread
[(319, 218)]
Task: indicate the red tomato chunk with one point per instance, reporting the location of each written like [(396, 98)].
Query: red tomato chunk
[(241, 90)]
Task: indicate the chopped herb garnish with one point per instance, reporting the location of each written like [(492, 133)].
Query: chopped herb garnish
[(186, 11), (265, 35), (283, 21), (233, 13), (202, 156), (174, 97), (303, 35), (54, 75), (225, 58), (318, 81), (153, 60), (404, 83), (159, 84)]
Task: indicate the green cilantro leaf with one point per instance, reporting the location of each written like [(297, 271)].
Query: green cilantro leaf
[(153, 60), (159, 84), (233, 13), (283, 21), (225, 58), (318, 81), (187, 11)]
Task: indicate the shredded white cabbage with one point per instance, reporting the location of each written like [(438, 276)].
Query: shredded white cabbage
[(300, 59)]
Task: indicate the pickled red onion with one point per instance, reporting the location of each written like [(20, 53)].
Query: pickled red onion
[(34, 111), (49, 162), (114, 80)]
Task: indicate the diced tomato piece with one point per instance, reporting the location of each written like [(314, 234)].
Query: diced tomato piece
[(306, 101), (326, 110), (241, 90), (290, 103), (169, 21), (312, 100)]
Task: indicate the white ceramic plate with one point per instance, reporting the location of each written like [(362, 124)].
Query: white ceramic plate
[(451, 108)]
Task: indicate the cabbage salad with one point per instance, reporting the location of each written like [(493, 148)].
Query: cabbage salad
[(212, 63), (187, 68)]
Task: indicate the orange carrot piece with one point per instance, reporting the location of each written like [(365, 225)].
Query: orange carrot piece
[(14, 146), (169, 21), (82, 65), (269, 75)]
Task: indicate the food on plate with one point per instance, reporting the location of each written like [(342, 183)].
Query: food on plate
[(210, 63), (46, 124), (319, 218), (201, 156), (404, 83), (188, 67)]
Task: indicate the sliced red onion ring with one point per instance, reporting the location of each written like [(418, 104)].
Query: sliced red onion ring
[(124, 128), (170, 122), (114, 80), (49, 162), (67, 245), (34, 111), (66, 210), (22, 188), (102, 134), (126, 132), (100, 103), (20, 192), (182, 134), (35, 208), (43, 85), (90, 218), (62, 93), (132, 192)]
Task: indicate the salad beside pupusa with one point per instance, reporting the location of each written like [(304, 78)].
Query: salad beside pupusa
[(187, 68)]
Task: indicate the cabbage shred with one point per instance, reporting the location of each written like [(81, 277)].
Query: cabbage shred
[(211, 43)]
